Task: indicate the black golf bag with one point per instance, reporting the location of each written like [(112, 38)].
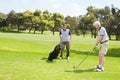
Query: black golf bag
[(54, 53)]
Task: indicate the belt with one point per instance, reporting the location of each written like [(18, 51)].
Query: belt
[(104, 42)]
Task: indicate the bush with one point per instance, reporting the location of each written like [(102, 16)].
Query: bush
[(77, 32)]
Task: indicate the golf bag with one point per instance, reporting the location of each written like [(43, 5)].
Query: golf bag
[(54, 53)]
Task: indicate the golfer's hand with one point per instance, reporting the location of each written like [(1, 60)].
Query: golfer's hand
[(95, 47)]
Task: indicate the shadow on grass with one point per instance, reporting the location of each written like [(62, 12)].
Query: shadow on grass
[(113, 52), (81, 71), (46, 59), (10, 32), (21, 31)]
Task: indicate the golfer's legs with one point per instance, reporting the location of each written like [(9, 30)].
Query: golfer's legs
[(101, 60), (68, 49), (62, 50), (102, 53)]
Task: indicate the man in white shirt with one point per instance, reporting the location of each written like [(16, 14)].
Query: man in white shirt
[(65, 38), (103, 40)]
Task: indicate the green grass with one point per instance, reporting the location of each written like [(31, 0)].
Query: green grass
[(24, 57)]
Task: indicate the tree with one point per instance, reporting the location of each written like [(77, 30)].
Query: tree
[(28, 19), (115, 20), (37, 12), (72, 21), (117, 26), (3, 22), (3, 16), (36, 19), (45, 21), (58, 21), (19, 20), (92, 15), (88, 20), (11, 19)]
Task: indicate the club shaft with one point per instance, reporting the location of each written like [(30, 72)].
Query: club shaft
[(83, 60)]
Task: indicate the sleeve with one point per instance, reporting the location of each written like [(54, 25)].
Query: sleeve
[(70, 32), (102, 32), (60, 32)]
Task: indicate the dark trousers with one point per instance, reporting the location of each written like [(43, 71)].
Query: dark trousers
[(67, 44)]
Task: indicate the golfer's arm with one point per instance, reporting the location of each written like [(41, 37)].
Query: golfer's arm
[(60, 37), (99, 39), (70, 37)]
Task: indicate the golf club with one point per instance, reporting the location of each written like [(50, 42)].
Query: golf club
[(83, 59)]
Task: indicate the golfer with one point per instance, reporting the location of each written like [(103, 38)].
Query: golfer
[(65, 38), (103, 40)]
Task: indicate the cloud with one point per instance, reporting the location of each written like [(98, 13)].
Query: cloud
[(73, 9), (77, 9), (56, 6), (53, 0)]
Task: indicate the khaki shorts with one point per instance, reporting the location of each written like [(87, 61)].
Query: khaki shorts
[(104, 48)]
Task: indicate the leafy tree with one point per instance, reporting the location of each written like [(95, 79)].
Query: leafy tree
[(58, 21), (3, 16), (117, 26), (19, 20), (115, 21), (3, 22), (11, 19), (37, 12), (45, 21), (28, 19), (36, 19), (72, 21)]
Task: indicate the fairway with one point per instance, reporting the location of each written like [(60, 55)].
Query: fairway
[(23, 56)]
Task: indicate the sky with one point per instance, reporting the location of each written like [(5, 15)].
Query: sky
[(65, 7)]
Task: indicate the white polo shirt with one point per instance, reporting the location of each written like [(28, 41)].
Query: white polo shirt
[(102, 32), (65, 35)]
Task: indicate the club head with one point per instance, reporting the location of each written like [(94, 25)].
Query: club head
[(74, 67)]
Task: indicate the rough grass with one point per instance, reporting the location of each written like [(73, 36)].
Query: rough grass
[(24, 57)]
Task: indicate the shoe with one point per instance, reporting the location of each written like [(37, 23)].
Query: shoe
[(100, 70), (97, 67), (60, 57), (68, 58)]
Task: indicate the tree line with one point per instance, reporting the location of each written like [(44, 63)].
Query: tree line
[(46, 21)]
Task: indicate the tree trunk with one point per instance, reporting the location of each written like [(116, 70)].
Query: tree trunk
[(109, 36), (117, 37), (95, 34), (7, 28), (35, 28), (42, 31), (18, 30), (83, 33), (29, 30), (92, 34), (34, 31), (53, 31), (118, 33)]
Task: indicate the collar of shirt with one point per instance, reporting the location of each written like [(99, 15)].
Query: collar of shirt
[(99, 28), (64, 29)]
